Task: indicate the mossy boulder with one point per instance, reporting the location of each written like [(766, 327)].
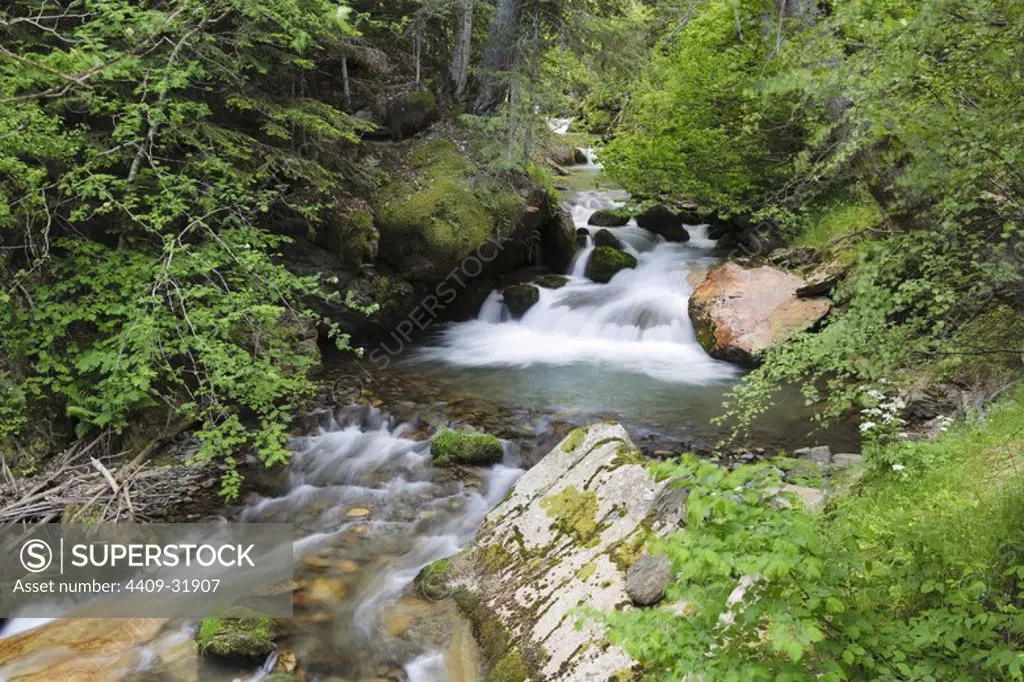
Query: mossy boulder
[(606, 238), (465, 447), (236, 638), (520, 297), (409, 114), (551, 281), (434, 217), (608, 217), (605, 262)]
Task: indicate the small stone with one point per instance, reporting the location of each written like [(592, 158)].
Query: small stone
[(318, 562), (846, 460), (348, 566), (325, 590), (357, 512), (821, 454), (648, 578), (812, 498)]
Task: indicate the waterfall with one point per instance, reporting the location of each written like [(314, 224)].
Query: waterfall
[(638, 322)]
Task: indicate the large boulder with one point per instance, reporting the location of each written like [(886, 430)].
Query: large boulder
[(566, 535), (409, 114), (738, 313), (605, 261), (608, 217), (662, 221), (558, 241)]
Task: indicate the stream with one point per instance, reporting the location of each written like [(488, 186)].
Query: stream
[(371, 511)]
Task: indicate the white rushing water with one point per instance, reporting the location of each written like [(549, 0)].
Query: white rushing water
[(638, 322), (363, 492)]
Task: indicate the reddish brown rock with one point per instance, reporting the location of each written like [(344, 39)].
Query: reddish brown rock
[(738, 313)]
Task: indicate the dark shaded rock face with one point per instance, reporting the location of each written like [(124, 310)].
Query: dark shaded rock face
[(606, 238), (608, 218), (648, 578), (409, 114), (579, 156), (582, 235), (558, 241), (520, 297), (605, 262), (661, 221)]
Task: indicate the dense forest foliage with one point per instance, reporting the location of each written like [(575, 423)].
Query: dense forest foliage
[(155, 156)]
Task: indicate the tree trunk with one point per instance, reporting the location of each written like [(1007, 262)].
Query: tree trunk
[(416, 47), (463, 47), (534, 77), (344, 83), (499, 56)]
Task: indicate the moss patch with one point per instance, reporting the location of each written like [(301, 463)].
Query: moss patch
[(574, 440), (465, 447), (511, 668), (605, 262), (495, 557), (551, 281), (238, 638), (435, 214), (628, 454), (574, 513), (520, 297)]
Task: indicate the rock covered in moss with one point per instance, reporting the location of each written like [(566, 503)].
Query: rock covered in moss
[(236, 638), (608, 217), (558, 241), (433, 217), (605, 262), (451, 446), (606, 238), (551, 281), (559, 540), (520, 297), (410, 113)]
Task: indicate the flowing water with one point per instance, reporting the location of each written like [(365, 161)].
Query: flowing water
[(370, 510)]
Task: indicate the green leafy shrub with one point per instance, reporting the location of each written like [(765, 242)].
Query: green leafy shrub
[(913, 575)]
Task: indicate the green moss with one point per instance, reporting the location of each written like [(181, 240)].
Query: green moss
[(510, 668), (574, 513), (488, 631), (434, 579), (520, 297), (495, 557), (424, 99), (236, 637), (626, 553), (574, 440), (465, 447), (628, 454), (624, 675), (551, 281), (584, 573), (436, 212), (605, 262)]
